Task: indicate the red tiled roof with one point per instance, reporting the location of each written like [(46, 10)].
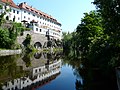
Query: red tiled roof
[(10, 2), (31, 9)]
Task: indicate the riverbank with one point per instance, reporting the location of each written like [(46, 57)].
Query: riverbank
[(4, 52), (10, 52)]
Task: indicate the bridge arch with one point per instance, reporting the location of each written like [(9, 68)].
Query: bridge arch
[(37, 55), (38, 45)]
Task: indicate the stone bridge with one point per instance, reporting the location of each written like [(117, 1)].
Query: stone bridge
[(37, 40)]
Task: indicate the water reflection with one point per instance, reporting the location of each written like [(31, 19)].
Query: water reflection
[(28, 71), (118, 77), (37, 55), (92, 78)]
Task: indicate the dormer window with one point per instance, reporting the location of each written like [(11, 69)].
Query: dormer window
[(36, 11), (32, 10), (27, 8), (40, 13)]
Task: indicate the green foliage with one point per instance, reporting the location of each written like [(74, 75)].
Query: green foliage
[(92, 43), (1, 7), (7, 38), (66, 42), (110, 12), (89, 31), (97, 37), (4, 39), (2, 20)]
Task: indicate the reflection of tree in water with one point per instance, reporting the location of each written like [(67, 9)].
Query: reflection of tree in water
[(27, 60), (78, 85), (9, 69), (96, 79), (93, 78), (8, 66)]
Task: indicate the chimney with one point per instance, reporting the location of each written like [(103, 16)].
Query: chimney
[(25, 3)]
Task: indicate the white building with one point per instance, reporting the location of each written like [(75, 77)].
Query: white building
[(15, 12), (37, 20)]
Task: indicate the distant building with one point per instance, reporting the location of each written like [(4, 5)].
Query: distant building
[(37, 20)]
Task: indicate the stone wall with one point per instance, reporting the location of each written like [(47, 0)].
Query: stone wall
[(36, 37)]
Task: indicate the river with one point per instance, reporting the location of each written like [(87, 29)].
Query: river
[(51, 71)]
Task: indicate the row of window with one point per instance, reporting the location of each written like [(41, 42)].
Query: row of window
[(41, 17), (37, 70), (14, 11), (40, 30)]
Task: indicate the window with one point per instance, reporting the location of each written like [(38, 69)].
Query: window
[(39, 70), (29, 13), (24, 17), (24, 11), (13, 11), (36, 71), (27, 8), (17, 12), (18, 18), (33, 15), (40, 30), (28, 18), (36, 29)]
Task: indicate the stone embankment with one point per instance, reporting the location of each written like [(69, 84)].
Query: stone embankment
[(10, 52)]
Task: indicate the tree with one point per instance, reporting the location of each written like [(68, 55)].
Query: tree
[(4, 39), (110, 12), (2, 20), (89, 31)]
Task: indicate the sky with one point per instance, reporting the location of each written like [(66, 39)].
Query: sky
[(67, 12)]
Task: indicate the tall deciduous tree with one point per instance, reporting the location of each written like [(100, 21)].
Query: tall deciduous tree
[(110, 12), (89, 31)]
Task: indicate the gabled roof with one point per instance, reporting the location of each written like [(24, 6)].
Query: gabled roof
[(10, 2), (34, 10)]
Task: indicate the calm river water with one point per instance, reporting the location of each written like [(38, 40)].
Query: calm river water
[(50, 71)]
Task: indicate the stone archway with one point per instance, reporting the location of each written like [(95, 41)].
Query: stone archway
[(37, 55), (38, 45)]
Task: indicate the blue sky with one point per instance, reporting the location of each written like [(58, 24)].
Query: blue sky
[(67, 12)]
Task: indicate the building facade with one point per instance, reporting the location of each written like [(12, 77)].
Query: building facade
[(37, 20)]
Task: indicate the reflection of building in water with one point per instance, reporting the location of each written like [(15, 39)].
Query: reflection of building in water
[(39, 76)]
